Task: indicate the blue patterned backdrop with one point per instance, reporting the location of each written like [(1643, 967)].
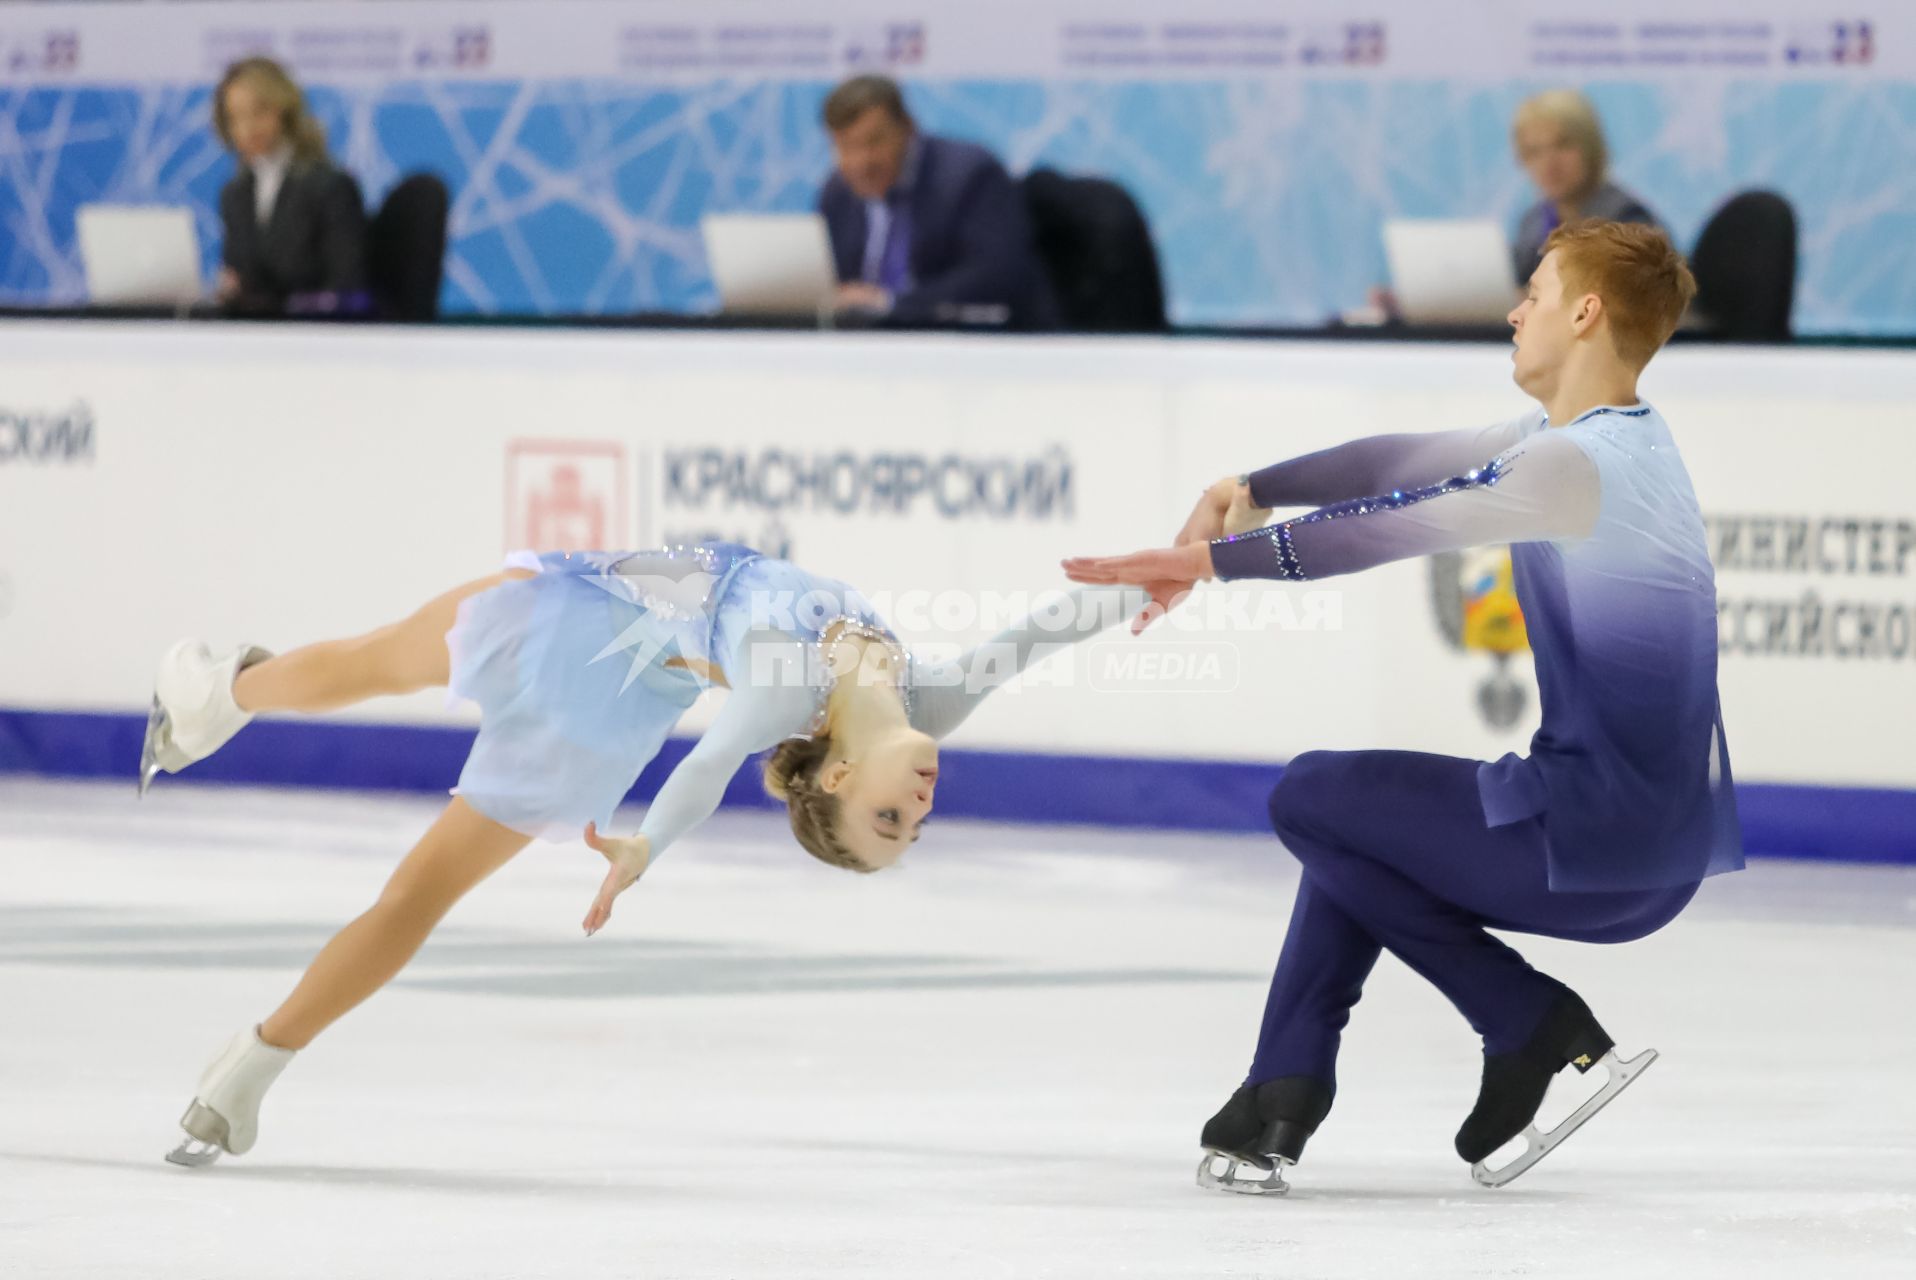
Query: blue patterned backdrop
[(1265, 197)]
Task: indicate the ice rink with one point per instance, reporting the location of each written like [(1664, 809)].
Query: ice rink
[(993, 1062)]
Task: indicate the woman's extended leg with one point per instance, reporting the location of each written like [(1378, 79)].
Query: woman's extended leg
[(403, 657), (459, 850)]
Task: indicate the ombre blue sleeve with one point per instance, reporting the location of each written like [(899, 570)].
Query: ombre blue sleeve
[(945, 693), (1379, 464), (759, 714), (1544, 487)]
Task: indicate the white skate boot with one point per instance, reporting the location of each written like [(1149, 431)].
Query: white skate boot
[(224, 1114), (193, 709)]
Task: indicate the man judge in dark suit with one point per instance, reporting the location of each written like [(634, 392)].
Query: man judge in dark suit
[(925, 229), (294, 227)]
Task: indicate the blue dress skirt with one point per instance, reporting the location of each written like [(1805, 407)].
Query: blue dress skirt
[(569, 669)]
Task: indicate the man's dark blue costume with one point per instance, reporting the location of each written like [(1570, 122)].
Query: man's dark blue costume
[(1600, 834)]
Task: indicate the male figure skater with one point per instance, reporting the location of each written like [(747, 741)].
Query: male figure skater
[(1624, 804)]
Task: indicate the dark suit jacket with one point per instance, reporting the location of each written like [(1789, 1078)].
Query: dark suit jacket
[(314, 242), (971, 238)]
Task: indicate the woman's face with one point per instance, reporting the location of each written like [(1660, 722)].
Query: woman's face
[(1552, 159), (252, 121), (884, 797)]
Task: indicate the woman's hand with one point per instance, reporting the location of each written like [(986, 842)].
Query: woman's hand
[(1207, 517), (227, 286), (628, 856), (1167, 575), (1241, 516)]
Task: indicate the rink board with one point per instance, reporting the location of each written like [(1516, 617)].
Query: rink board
[(279, 484)]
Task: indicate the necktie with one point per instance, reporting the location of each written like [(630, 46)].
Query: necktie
[(894, 268)]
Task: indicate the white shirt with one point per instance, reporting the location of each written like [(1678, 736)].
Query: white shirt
[(269, 174), (878, 213)]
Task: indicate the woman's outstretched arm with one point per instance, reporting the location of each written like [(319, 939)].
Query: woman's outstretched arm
[(945, 693), (770, 704)]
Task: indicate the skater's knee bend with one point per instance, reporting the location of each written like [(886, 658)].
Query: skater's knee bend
[(1298, 797)]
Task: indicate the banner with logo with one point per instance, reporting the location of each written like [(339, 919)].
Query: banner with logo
[(281, 485), (1266, 141)]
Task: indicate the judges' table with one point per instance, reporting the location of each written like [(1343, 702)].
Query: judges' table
[(286, 482)]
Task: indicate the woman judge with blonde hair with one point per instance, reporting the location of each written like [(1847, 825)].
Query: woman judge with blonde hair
[(294, 226), (1559, 142)]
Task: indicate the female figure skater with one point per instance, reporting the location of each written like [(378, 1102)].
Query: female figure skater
[(581, 664)]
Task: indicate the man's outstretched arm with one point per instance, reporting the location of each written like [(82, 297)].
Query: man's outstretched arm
[(1545, 487)]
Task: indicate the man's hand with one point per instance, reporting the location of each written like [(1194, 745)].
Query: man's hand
[(859, 296), (629, 856), (1167, 575)]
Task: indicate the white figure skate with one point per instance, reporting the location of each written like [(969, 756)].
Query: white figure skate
[(193, 709), (224, 1114)]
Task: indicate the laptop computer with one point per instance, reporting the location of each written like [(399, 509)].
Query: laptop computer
[(139, 255), (770, 264), (1449, 271)]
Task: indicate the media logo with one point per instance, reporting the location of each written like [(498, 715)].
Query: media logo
[(40, 53), (1843, 43), (565, 495), (1343, 44), (883, 45), (46, 437), (463, 48), (1131, 665)]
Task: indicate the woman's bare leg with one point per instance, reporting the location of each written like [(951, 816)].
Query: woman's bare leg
[(460, 849), (403, 657)]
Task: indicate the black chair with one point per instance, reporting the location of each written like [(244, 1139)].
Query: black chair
[(1745, 268), (1097, 251), (406, 249)]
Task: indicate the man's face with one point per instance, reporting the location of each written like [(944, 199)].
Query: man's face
[(871, 152), (1544, 328)]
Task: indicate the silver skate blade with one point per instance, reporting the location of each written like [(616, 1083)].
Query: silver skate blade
[(1269, 1182), (1537, 1145), (150, 748), (193, 1154)]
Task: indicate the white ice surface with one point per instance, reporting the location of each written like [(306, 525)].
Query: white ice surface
[(992, 1063)]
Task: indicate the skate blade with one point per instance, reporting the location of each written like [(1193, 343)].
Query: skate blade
[(206, 1137), (1537, 1145), (150, 748), (1269, 1183), (194, 1154)]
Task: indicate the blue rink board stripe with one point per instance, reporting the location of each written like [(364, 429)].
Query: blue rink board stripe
[(1849, 824)]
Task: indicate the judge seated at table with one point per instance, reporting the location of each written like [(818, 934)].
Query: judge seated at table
[(294, 225), (1559, 142), (925, 230)]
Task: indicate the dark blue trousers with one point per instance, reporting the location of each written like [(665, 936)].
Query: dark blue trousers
[(1396, 856)]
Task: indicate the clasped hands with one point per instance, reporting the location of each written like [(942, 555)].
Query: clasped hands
[(1168, 574)]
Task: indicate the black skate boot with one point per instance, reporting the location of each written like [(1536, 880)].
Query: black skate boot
[(1514, 1086), (1264, 1126)]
